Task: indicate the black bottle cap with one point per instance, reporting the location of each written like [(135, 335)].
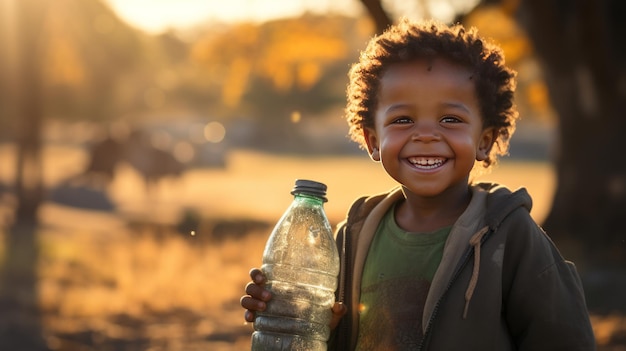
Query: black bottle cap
[(310, 187)]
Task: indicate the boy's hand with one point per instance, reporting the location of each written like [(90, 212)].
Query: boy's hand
[(257, 296)]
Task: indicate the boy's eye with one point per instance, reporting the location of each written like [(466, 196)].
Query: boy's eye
[(450, 119), (402, 120)]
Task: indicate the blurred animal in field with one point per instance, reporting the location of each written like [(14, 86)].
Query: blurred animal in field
[(151, 162), (103, 158), (88, 189), (136, 150)]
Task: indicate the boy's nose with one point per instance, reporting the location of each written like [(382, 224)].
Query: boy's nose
[(425, 132)]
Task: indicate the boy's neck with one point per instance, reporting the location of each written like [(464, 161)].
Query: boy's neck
[(427, 214)]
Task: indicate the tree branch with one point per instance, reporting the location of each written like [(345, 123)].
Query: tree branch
[(381, 19)]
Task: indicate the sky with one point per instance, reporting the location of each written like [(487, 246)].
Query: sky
[(156, 16)]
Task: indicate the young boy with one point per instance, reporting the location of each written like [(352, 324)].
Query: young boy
[(441, 263)]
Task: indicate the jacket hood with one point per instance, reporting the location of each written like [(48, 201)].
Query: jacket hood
[(501, 202), (491, 203)]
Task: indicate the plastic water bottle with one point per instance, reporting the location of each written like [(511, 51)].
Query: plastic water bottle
[(301, 263)]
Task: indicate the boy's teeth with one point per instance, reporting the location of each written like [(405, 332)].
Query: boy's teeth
[(424, 161)]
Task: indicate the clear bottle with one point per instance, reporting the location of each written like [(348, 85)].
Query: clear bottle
[(301, 263)]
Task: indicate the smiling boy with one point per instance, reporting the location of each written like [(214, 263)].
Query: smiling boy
[(442, 263)]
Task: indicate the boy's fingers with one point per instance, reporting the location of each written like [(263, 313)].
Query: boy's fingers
[(249, 316), (252, 304), (257, 276), (258, 292), (256, 295)]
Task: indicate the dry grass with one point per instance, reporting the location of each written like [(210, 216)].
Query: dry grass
[(168, 290), (108, 285)]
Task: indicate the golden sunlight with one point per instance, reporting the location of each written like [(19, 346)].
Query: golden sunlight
[(158, 16)]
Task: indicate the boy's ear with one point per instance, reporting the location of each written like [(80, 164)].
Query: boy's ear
[(372, 143), (485, 144)]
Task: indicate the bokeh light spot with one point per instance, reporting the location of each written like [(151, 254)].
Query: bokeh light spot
[(296, 116), (214, 132)]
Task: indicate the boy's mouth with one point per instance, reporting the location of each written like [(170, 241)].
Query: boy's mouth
[(427, 162)]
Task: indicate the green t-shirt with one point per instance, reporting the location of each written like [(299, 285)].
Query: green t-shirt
[(399, 268)]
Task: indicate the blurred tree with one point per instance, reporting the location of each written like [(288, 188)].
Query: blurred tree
[(583, 53), (302, 65), (286, 55), (581, 49), (87, 52), (280, 71), (26, 104), (20, 326), (380, 17), (581, 46)]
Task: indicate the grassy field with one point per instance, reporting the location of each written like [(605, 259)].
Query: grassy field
[(257, 185), (136, 279)]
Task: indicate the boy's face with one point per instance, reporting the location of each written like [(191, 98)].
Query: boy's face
[(428, 126)]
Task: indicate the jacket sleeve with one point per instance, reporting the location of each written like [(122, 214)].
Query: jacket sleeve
[(543, 296)]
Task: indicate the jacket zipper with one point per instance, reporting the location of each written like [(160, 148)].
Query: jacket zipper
[(457, 272), (344, 292), (460, 267)]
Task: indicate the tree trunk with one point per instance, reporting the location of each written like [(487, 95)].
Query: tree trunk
[(581, 47), (20, 323), (28, 99)]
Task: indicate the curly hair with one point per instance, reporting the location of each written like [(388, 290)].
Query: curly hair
[(408, 41)]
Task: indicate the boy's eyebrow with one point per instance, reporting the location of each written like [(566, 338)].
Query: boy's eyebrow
[(446, 104), (396, 106), (458, 105)]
